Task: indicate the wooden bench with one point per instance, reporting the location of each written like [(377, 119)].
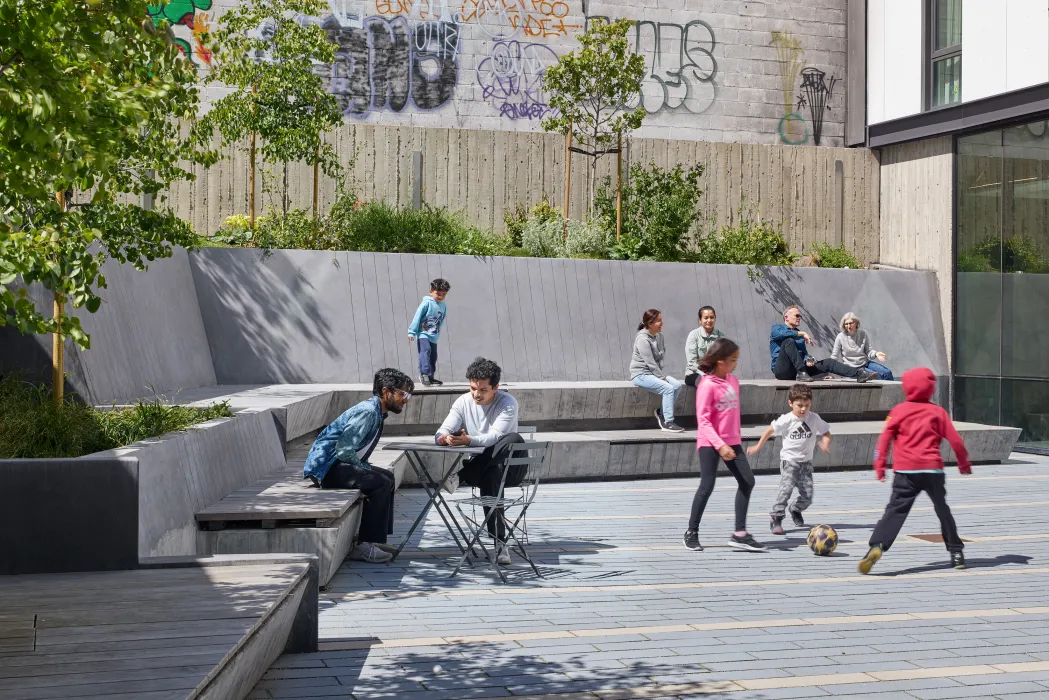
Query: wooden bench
[(282, 513)]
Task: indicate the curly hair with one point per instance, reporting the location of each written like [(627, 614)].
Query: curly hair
[(799, 391), (391, 379), (481, 368), (440, 285)]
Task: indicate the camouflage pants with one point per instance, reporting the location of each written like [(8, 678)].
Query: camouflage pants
[(793, 475)]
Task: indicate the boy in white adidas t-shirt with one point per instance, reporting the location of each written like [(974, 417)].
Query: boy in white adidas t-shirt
[(801, 430)]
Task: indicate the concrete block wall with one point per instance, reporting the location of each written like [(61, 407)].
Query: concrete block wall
[(746, 71)]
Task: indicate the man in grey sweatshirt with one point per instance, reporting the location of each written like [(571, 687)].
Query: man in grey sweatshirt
[(486, 417)]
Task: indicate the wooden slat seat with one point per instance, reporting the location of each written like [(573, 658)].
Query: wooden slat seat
[(276, 499)]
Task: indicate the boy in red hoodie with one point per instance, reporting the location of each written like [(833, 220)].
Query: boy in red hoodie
[(917, 427)]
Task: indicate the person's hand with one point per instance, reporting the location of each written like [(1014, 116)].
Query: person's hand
[(825, 443), (460, 440), (753, 450), (805, 336), (965, 468), (411, 339), (727, 453), (444, 440), (881, 356), (879, 475)]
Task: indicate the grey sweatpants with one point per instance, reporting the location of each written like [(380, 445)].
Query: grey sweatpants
[(793, 475)]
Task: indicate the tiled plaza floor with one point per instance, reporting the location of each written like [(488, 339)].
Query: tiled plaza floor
[(624, 611)]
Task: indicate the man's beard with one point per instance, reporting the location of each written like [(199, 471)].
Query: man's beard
[(393, 409)]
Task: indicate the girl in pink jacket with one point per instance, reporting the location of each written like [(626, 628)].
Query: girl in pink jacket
[(718, 439)]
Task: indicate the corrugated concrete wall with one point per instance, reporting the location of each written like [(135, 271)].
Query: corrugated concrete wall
[(482, 173), (315, 316), (917, 204)]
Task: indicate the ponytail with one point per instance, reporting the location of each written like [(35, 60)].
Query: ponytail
[(722, 349), (648, 319)]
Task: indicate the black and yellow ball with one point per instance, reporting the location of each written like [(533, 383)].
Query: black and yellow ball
[(822, 540)]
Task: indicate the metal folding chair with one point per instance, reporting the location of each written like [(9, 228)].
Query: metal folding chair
[(532, 456), (527, 432)]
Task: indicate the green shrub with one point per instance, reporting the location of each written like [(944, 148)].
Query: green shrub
[(1015, 254), (32, 427), (660, 207), (295, 230), (827, 255), (515, 220), (235, 231), (751, 241), (545, 238)]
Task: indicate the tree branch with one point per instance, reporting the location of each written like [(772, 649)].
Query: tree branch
[(16, 56)]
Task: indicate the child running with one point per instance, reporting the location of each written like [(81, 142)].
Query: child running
[(426, 327), (915, 430), (800, 430), (718, 438)]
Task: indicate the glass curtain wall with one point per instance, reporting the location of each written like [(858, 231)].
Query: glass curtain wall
[(1002, 292)]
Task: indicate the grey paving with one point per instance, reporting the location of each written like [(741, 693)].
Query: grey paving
[(611, 556)]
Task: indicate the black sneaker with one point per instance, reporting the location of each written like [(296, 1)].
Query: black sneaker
[(795, 515), (659, 418), (427, 381), (435, 382), (746, 542), (872, 557), (776, 526), (691, 540), (803, 377), (866, 375), (672, 427), (957, 560)]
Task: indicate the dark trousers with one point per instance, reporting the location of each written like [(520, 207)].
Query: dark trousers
[(693, 379), (708, 472), (905, 488), (485, 472), (790, 363), (376, 486), (427, 357)]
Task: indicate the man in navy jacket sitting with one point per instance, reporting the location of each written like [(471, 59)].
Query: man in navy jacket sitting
[(791, 360)]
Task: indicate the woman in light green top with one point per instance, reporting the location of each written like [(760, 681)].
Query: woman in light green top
[(698, 342)]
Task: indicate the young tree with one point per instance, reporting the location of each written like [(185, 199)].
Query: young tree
[(266, 50), (591, 89), (89, 94)]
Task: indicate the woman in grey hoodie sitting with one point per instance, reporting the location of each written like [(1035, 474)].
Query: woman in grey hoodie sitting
[(853, 347), (646, 368)]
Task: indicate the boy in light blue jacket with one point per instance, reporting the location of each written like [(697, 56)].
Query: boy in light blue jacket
[(426, 328)]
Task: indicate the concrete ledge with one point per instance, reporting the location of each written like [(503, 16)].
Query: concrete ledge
[(652, 453)]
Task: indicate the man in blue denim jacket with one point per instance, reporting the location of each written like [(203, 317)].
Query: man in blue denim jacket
[(339, 456), (791, 360)]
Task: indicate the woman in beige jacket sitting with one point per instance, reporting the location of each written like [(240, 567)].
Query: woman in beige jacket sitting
[(853, 347)]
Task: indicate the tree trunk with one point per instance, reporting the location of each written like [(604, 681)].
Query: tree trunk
[(619, 186), (316, 185), (284, 191), (568, 180), (251, 183), (58, 348)]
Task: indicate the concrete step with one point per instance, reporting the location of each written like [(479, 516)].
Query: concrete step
[(638, 454)]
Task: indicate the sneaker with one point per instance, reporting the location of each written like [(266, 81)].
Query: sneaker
[(866, 375), (691, 540), (776, 526), (746, 542), (957, 560), (803, 377), (388, 548), (672, 427), (368, 552), (435, 382), (426, 381), (451, 484), (872, 557), (503, 558), (795, 515), (659, 419)]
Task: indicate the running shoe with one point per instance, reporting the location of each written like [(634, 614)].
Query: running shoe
[(795, 515), (691, 540), (957, 560), (873, 555), (672, 427), (776, 526), (659, 419), (746, 543)]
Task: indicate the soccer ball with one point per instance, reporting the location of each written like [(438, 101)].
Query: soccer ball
[(822, 540)]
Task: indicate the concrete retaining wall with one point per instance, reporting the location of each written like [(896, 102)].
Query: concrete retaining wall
[(322, 316)]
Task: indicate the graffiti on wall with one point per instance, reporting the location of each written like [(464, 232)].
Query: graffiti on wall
[(792, 128), (388, 63), (511, 79), (530, 19), (680, 64), (816, 91), (190, 23)]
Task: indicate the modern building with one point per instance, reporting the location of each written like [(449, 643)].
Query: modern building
[(953, 95)]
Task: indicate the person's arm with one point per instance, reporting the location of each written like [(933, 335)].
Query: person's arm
[(780, 332), (822, 428), (754, 449), (452, 424), (416, 324), (837, 352), (881, 451), (644, 348), (505, 423), (692, 350), (353, 435), (704, 428), (957, 444)]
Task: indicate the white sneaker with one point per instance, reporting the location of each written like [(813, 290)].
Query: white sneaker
[(368, 552), (503, 558), (451, 484)]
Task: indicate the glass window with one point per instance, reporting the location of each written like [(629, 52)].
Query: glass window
[(1025, 405), (978, 323), (948, 24), (945, 53), (947, 81), (977, 400)]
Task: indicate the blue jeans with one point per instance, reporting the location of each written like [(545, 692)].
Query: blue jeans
[(668, 389), (427, 357), (883, 371)]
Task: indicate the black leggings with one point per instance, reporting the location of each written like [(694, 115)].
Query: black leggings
[(708, 471)]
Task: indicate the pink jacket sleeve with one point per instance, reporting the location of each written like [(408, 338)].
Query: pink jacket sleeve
[(705, 400)]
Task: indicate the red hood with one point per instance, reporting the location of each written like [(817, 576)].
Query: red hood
[(919, 384)]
